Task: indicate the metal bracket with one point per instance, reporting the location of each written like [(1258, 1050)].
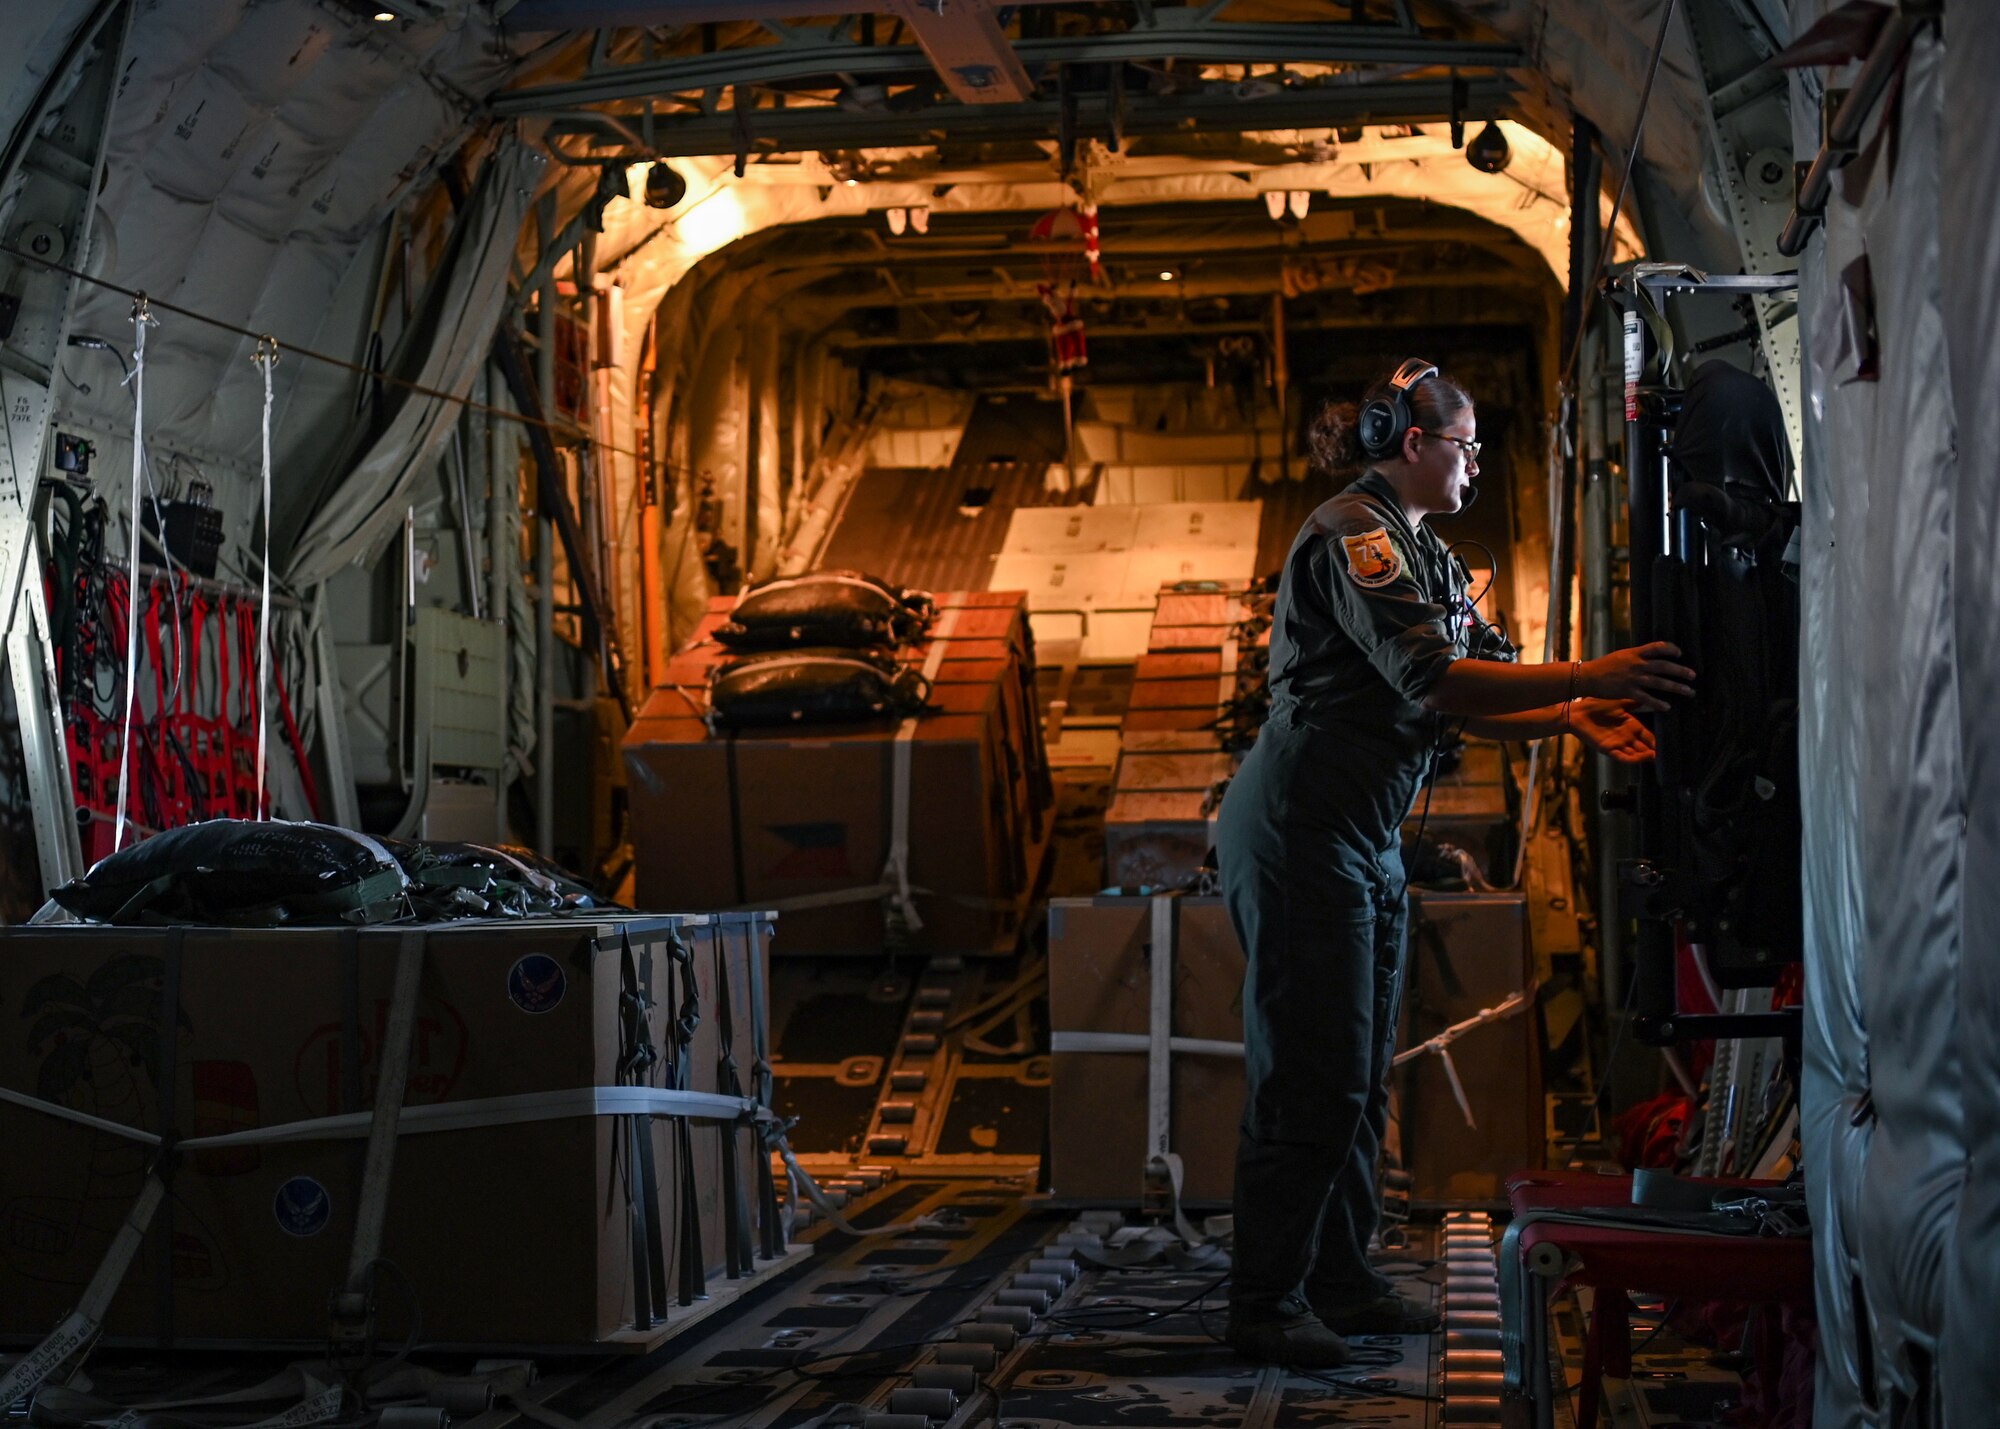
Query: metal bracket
[(1750, 150), (52, 172)]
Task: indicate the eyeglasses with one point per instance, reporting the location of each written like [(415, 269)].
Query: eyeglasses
[(1471, 449)]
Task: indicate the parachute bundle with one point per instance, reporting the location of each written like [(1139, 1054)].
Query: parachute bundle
[(243, 873), (824, 684), (819, 648), (827, 608), (462, 880), (274, 874)]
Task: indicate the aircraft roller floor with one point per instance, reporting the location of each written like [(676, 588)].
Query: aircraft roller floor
[(990, 1302)]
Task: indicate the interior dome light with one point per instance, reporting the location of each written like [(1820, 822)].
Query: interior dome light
[(664, 187), (1167, 275), (1489, 152)]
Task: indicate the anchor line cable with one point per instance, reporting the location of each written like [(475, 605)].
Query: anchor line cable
[(1624, 181), (646, 463), (141, 319), (266, 358)]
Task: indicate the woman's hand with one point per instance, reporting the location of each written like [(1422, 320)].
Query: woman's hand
[(1609, 727), (1640, 674)]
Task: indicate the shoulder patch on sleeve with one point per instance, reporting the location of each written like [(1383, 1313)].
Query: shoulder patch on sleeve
[(1372, 559)]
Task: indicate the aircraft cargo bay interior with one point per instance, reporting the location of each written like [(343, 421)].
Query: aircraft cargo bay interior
[(931, 714)]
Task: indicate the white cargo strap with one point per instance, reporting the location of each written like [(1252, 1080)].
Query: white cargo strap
[(1159, 1036), (802, 1182), (1440, 1045), (1160, 1156), (79, 1329), (1140, 1042), (868, 893), (372, 1210), (896, 872), (442, 1116), (142, 318)]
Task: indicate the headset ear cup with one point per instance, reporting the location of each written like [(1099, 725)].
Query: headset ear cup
[(1382, 424)]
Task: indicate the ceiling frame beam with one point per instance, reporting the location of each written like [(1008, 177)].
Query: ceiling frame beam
[(794, 60), (824, 128)]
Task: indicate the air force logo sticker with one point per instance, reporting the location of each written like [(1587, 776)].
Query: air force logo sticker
[(1371, 558)]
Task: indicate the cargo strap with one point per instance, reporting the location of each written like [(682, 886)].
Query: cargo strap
[(802, 1183), (737, 1258), (301, 1394), (1440, 1045), (1140, 1042), (166, 1079), (78, 1331), (770, 1229), (683, 1018), (896, 872), (352, 1316), (636, 1057), (1164, 1174), (469, 1115)]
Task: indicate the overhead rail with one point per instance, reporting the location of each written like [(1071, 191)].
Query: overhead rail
[(1180, 34), (1843, 136), (831, 127)]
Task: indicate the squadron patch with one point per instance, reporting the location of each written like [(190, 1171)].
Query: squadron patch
[(1371, 558)]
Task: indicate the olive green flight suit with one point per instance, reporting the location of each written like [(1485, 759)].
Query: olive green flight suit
[(1369, 615)]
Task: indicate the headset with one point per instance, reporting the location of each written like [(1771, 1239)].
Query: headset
[(1383, 420)]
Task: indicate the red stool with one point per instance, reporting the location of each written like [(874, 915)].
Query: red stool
[(1616, 1259)]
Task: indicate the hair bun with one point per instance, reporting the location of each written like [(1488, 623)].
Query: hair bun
[(1334, 438)]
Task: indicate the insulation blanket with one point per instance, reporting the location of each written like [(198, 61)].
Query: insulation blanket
[(1897, 677)]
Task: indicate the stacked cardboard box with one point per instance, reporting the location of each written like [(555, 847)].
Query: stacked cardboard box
[(1468, 807), (1171, 755), (1173, 762), (515, 1233), (798, 819), (1467, 952)]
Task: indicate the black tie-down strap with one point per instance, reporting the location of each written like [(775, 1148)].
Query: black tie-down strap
[(636, 1058), (735, 1204), (770, 1221), (683, 1017)]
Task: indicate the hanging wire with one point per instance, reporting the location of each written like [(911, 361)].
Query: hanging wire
[(1624, 181), (374, 374), (142, 317), (266, 358)]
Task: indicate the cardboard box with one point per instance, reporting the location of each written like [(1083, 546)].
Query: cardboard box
[(1469, 952), (1100, 980), (1159, 827), (507, 1235), (767, 818), (1469, 808)]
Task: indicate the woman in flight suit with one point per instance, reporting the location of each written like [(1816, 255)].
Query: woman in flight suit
[(1368, 664)]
